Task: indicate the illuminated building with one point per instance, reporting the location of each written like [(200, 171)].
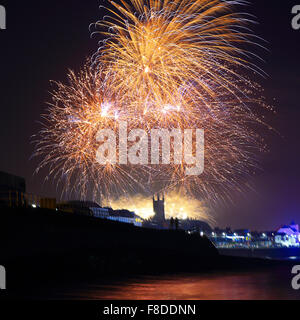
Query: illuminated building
[(47, 203), (124, 216), (288, 235), (89, 208)]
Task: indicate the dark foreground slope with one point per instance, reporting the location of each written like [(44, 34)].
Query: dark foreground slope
[(42, 241)]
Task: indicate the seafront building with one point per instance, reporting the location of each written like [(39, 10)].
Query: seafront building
[(288, 235), (285, 236), (93, 209)]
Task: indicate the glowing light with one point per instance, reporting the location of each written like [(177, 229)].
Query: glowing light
[(147, 69), (104, 108), (143, 206)]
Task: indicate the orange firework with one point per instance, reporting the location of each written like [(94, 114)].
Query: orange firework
[(68, 140), (167, 53), (172, 65)]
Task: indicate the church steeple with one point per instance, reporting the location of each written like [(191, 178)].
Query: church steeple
[(159, 207)]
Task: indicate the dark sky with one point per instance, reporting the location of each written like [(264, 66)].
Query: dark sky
[(45, 38)]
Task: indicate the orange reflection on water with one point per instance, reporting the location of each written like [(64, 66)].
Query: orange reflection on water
[(242, 286)]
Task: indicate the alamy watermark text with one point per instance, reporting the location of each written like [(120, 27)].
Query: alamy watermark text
[(2, 278), (159, 146), (296, 17), (2, 18)]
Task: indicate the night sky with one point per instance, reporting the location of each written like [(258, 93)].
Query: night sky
[(45, 38)]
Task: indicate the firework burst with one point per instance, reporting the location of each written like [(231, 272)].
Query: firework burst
[(68, 140), (173, 53), (163, 64)]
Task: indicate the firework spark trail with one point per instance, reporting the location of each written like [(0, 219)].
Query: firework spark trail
[(68, 140), (163, 64), (156, 48)]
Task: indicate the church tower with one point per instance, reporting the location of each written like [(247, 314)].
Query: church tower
[(159, 208)]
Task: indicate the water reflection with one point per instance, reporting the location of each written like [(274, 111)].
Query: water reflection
[(272, 284)]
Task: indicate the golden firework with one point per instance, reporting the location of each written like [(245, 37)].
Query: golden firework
[(174, 54), (169, 65)]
